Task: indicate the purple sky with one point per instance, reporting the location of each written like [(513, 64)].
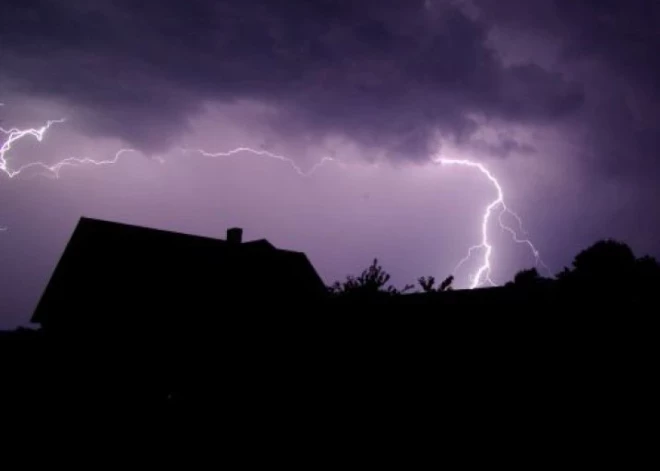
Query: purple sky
[(560, 100)]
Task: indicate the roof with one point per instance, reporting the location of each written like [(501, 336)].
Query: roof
[(111, 270)]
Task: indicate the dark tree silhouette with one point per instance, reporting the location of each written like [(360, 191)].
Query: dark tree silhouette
[(428, 284), (647, 268), (605, 264), (446, 285), (527, 278), (605, 258), (371, 281), (647, 276), (608, 271)]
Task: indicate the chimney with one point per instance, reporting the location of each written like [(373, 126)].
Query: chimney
[(234, 235)]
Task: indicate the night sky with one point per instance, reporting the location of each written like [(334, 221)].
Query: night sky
[(560, 100)]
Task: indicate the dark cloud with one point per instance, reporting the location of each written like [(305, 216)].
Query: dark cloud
[(612, 47), (505, 146), (388, 74), (623, 40)]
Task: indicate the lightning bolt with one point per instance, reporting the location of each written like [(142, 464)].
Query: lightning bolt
[(14, 135), (483, 273), (264, 153), (481, 276)]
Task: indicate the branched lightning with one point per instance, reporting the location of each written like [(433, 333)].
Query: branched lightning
[(483, 273), (264, 153), (481, 276), (14, 135)]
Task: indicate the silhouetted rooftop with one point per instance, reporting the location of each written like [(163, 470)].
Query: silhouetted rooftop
[(115, 270)]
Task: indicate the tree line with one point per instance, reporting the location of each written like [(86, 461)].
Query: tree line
[(607, 265)]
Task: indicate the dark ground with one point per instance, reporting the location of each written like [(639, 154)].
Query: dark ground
[(349, 389)]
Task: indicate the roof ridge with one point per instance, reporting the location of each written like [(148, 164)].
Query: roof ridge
[(147, 228)]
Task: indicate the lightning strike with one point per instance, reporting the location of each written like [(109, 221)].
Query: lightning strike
[(15, 134), (481, 276), (264, 153), (483, 273)]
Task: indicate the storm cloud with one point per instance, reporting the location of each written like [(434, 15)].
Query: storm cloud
[(609, 46), (395, 77)]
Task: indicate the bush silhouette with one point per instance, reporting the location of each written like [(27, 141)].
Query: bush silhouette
[(371, 282), (604, 259), (427, 284), (528, 278), (608, 270), (607, 263)]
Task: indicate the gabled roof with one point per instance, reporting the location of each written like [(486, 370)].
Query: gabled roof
[(110, 267)]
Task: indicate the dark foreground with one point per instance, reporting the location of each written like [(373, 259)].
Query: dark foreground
[(344, 390)]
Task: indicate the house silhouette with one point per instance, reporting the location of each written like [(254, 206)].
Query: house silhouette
[(119, 276)]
